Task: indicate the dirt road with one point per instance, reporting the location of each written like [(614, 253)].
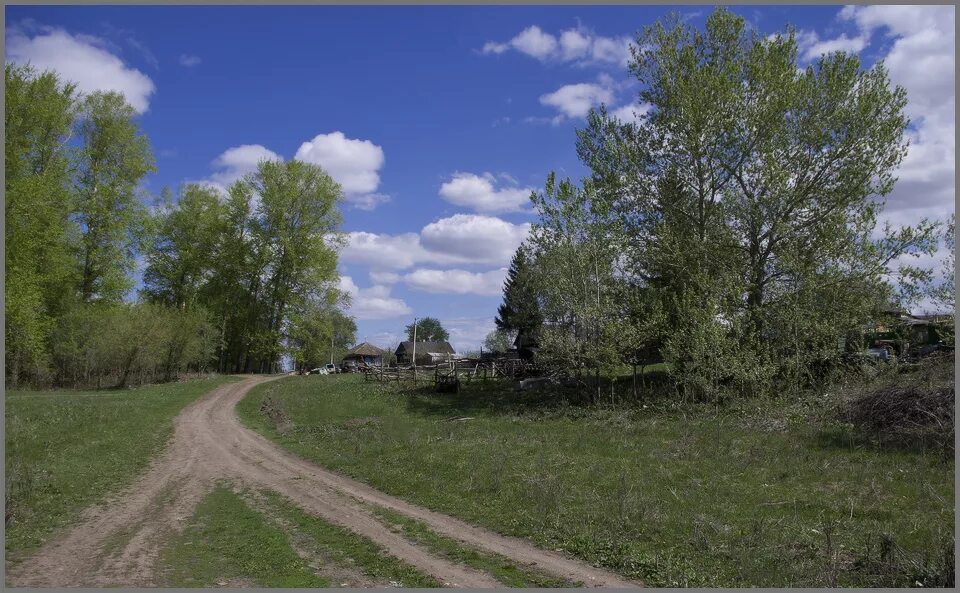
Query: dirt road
[(118, 542)]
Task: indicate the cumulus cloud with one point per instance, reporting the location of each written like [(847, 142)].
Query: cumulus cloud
[(631, 113), (83, 59), (374, 302), (921, 59), (579, 45), (460, 239), (480, 193), (474, 238), (467, 333), (576, 100), (353, 163), (457, 281), (238, 161), (811, 46)]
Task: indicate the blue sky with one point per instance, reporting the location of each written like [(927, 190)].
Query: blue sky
[(436, 120)]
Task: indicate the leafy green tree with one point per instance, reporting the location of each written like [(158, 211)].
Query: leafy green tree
[(319, 333), (39, 112), (773, 177), (499, 340), (429, 329), (181, 257), (113, 159)]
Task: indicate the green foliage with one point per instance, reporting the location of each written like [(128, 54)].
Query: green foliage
[(319, 333), (733, 228), (499, 340), (39, 112), (428, 330), (113, 159)]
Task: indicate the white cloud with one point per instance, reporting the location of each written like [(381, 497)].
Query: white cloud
[(189, 61), (380, 277), (578, 45), (573, 45), (474, 238), (467, 333), (631, 113), (922, 60), (811, 46), (238, 161), (457, 281), (534, 42), (374, 302), (353, 163), (479, 193), (576, 100), (381, 251), (82, 59), (460, 239)]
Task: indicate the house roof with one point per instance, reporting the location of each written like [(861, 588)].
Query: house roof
[(365, 349), (438, 347)]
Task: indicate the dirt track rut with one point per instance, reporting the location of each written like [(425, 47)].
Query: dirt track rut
[(118, 542)]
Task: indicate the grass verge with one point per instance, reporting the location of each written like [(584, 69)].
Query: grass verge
[(230, 544), (504, 570), (767, 493), (67, 449), (343, 548)]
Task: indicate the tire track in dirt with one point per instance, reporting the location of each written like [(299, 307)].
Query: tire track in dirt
[(210, 444)]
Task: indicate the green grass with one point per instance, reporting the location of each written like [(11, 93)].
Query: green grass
[(346, 548), (766, 493), (502, 569), (228, 543), (67, 449)]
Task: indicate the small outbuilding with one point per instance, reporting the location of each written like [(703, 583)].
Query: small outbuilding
[(365, 353), (427, 352)]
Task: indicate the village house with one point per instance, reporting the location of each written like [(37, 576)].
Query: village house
[(427, 352), (365, 353)]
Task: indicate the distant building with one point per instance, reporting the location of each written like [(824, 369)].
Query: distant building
[(426, 352), (365, 353)]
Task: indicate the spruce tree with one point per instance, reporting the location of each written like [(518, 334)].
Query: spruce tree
[(520, 310)]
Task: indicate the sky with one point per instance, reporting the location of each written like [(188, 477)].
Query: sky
[(438, 121)]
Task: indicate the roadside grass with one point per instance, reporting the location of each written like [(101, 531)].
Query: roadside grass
[(68, 449), (504, 570), (344, 548), (230, 544), (755, 492)]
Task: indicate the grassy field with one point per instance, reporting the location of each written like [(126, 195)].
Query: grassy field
[(67, 449), (767, 493), (259, 539)]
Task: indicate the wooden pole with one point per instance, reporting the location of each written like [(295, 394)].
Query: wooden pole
[(414, 350)]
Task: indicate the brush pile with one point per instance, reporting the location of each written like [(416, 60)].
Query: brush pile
[(913, 410)]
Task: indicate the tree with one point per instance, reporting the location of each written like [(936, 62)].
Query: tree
[(428, 330), (748, 194), (320, 333), (39, 112), (113, 159), (520, 310), (499, 340), (181, 258)]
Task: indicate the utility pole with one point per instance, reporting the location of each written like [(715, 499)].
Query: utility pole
[(414, 349)]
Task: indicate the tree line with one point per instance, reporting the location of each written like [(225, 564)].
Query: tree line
[(231, 283), (732, 230)]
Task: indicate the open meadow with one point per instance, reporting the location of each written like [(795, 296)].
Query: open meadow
[(758, 492)]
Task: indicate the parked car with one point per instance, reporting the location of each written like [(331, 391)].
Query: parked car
[(318, 371), (331, 368)]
